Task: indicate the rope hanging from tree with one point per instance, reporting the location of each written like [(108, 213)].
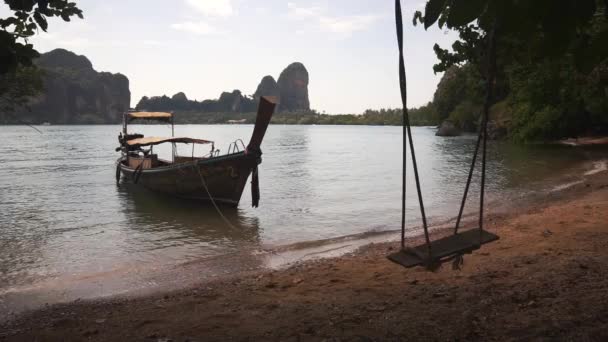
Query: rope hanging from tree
[(432, 254)]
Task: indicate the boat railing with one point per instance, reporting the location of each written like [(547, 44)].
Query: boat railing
[(235, 148), (213, 154)]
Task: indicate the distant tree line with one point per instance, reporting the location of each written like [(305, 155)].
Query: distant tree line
[(422, 116), (234, 102), (235, 106)]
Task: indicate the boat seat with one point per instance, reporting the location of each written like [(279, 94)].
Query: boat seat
[(444, 248), (148, 162)]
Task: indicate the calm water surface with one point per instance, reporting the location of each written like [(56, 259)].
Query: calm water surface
[(61, 212)]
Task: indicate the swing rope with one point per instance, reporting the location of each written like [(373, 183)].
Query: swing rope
[(408, 132), (481, 142), (482, 136)]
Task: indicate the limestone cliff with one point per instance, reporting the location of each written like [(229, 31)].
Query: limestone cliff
[(267, 87), (74, 93), (293, 87), (292, 90)]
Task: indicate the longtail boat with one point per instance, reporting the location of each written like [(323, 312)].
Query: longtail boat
[(215, 177)]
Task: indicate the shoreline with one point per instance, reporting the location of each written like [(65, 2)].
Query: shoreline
[(543, 277), (131, 281)]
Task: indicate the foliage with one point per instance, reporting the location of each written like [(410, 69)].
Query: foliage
[(17, 55), (17, 86), (456, 85), (28, 16), (422, 116), (551, 62), (466, 115)]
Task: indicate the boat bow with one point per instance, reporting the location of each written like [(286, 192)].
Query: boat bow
[(262, 120)]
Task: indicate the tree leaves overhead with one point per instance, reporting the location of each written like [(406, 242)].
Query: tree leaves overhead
[(28, 16), (548, 27), (432, 10), (552, 62), (41, 21), (462, 12), (510, 13), (19, 78), (21, 5)]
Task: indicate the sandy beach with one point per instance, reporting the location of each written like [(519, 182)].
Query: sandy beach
[(544, 279)]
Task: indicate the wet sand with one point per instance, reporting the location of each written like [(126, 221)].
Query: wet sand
[(544, 279)]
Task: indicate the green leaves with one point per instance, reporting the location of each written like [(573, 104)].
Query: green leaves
[(21, 5), (4, 23), (27, 17), (453, 13), (417, 18), (463, 12), (41, 21), (432, 11)]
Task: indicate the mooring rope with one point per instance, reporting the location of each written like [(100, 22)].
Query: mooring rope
[(217, 208)]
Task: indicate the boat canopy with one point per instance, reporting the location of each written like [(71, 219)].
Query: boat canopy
[(150, 116), (159, 140)]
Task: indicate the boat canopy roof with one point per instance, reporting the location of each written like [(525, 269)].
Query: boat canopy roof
[(150, 116), (159, 140)]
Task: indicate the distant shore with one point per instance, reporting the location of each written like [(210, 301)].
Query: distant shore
[(545, 277)]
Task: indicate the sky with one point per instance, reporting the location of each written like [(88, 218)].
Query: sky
[(204, 47)]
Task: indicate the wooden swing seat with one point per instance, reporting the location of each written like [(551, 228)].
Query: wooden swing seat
[(461, 243)]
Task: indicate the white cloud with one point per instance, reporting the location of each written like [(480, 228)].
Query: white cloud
[(196, 27), (301, 13), (214, 8), (343, 25), (347, 25)]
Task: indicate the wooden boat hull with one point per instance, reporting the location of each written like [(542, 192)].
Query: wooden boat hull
[(222, 177)]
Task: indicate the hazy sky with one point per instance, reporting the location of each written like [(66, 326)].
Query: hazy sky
[(204, 47)]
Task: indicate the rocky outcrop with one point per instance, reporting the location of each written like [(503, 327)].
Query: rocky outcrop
[(267, 87), (74, 93), (447, 129), (180, 97), (293, 88), (231, 102)]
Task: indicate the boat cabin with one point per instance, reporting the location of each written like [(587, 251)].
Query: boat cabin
[(138, 151)]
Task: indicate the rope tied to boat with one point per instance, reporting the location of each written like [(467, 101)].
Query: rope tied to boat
[(217, 208), (137, 173)]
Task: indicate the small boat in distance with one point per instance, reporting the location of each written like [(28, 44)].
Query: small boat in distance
[(212, 177)]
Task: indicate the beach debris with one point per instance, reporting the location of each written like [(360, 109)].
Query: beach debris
[(547, 233), (297, 280)]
